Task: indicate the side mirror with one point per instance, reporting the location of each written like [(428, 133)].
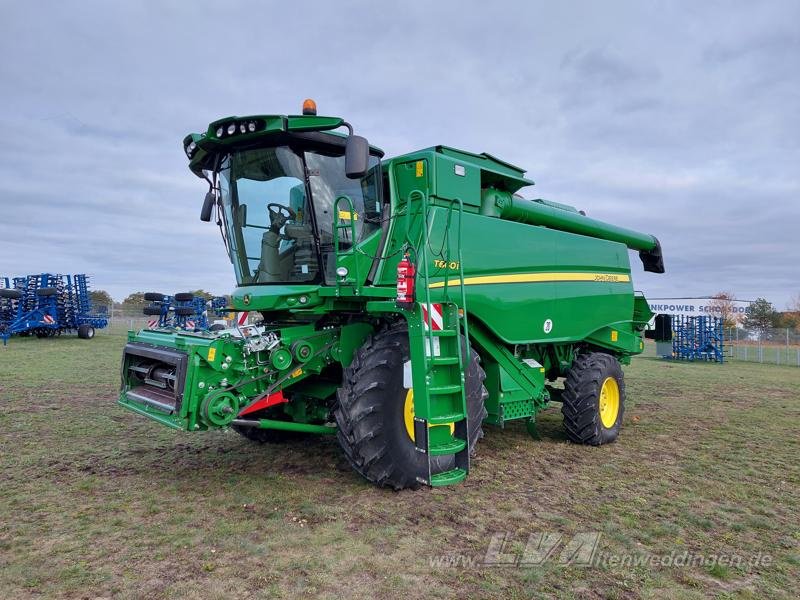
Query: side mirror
[(356, 157), (208, 205)]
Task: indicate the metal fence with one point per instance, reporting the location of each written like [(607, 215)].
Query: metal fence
[(772, 346)]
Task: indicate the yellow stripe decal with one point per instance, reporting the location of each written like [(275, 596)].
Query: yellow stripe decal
[(538, 278)]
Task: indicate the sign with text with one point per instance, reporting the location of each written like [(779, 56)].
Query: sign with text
[(697, 306)]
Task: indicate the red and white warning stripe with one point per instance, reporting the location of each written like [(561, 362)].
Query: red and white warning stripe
[(48, 319), (432, 317), (242, 320), (152, 324), (190, 324)]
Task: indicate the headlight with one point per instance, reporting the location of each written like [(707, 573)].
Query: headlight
[(342, 272)]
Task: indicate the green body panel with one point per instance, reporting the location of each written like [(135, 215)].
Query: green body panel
[(527, 283)]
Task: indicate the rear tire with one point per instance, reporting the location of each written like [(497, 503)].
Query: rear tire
[(151, 311), (154, 297), (370, 413), (46, 291), (183, 297), (10, 294), (593, 399), (184, 311), (85, 332)]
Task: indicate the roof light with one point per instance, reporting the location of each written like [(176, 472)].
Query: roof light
[(309, 107), (231, 128), (219, 131), (251, 126), (242, 128)]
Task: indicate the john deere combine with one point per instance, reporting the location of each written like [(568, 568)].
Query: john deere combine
[(403, 303)]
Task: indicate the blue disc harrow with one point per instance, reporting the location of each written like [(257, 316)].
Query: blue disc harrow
[(182, 311), (47, 305), (697, 338)]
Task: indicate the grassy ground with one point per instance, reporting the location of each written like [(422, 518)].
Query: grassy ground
[(98, 502)]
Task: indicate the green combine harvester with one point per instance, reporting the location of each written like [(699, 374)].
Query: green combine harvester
[(402, 304)]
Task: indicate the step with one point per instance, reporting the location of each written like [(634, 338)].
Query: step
[(441, 333), (444, 360), (440, 390), (451, 447), (448, 477), (446, 419)]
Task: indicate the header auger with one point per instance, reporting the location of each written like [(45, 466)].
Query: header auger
[(404, 303)]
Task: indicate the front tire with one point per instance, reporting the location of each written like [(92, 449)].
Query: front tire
[(370, 413), (593, 399)]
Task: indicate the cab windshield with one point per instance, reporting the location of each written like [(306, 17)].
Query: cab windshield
[(277, 208)]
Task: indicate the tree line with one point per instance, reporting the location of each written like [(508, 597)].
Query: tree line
[(760, 316)]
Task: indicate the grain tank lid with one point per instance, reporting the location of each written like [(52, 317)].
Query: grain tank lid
[(494, 171)]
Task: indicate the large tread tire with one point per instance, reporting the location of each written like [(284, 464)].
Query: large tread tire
[(183, 297), (369, 413), (10, 294), (581, 399), (184, 311), (46, 291), (151, 311), (154, 297)]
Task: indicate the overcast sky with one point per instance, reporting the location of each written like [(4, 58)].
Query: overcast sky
[(677, 118)]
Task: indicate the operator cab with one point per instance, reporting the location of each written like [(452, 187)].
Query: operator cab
[(277, 205)]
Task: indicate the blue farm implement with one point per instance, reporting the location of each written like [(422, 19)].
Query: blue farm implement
[(47, 305), (697, 338), (182, 311)]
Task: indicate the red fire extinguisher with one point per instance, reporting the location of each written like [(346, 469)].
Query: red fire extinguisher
[(405, 282)]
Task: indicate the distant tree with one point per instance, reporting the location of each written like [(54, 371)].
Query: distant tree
[(134, 300), (761, 316), (723, 307), (101, 298), (794, 304), (788, 319), (791, 318), (203, 293)]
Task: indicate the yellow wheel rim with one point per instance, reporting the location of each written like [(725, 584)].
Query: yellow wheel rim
[(408, 416), (609, 402)]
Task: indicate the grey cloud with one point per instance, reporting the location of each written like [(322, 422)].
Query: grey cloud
[(677, 118)]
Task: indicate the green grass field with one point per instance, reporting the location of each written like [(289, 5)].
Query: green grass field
[(98, 502)]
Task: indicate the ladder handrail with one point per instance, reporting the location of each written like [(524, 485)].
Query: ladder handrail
[(461, 276), (337, 227), (422, 257), (424, 272)]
